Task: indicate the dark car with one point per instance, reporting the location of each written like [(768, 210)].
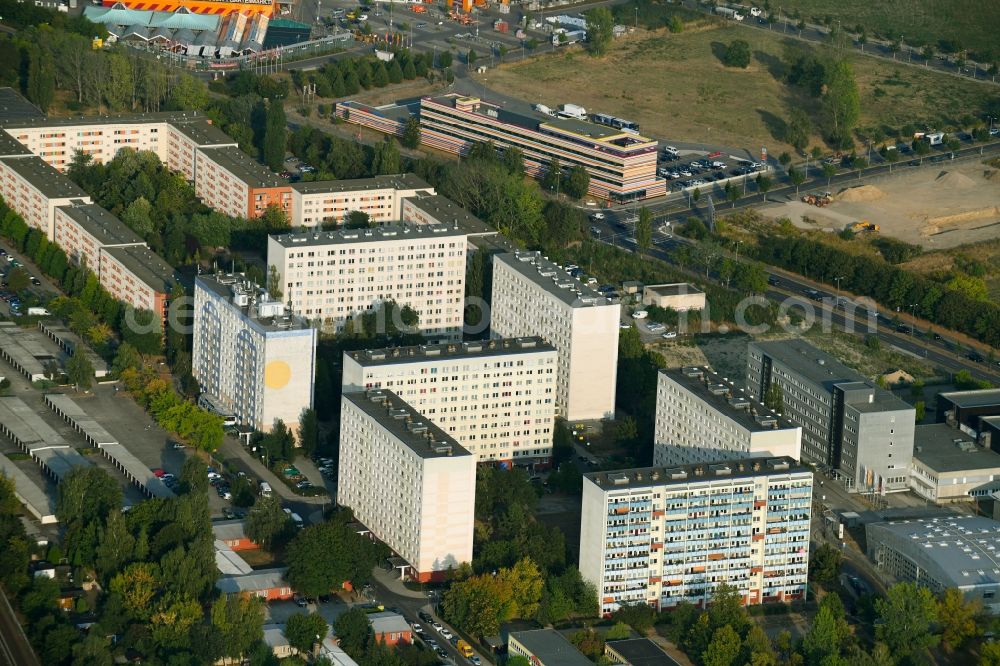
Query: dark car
[(975, 357), (425, 616), (773, 281)]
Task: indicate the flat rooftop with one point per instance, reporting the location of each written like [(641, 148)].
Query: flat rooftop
[(14, 106), (453, 350), (809, 362), (269, 315), (553, 279), (676, 289), (45, 178), (244, 167), (728, 399), (102, 225), (108, 119), (146, 265), (550, 647), (644, 477), (946, 449), (401, 181), (980, 398), (447, 212), (41, 504), (641, 652), (203, 132), (388, 232), (11, 147), (27, 348), (406, 424)]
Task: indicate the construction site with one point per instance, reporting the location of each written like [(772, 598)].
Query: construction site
[(936, 208)]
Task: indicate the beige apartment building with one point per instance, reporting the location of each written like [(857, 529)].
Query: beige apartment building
[(230, 181), (702, 417), (534, 297), (34, 190), (82, 229), (332, 276), (661, 535), (136, 275), (329, 202), (495, 397), (407, 481)]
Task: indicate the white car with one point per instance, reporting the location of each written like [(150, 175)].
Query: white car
[(656, 327), (640, 314), (669, 335), (597, 216), (447, 634), (214, 475), (623, 326)]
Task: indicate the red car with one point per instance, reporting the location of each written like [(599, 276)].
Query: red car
[(158, 473)]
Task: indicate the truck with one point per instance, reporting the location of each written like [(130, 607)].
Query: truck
[(729, 13), (464, 648), (541, 108), (567, 37), (572, 111), (935, 138), (384, 56), (38, 312)]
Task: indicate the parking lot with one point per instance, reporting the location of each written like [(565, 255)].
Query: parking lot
[(685, 171)]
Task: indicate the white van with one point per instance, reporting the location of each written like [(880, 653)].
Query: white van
[(265, 489)]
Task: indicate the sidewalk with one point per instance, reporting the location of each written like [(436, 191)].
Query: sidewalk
[(391, 582)]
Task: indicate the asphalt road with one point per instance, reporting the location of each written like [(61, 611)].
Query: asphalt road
[(14, 647)]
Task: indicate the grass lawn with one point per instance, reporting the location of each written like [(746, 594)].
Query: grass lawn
[(675, 87), (971, 24)]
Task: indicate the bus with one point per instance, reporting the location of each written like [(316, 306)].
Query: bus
[(618, 123)]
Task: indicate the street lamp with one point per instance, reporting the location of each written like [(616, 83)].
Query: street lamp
[(738, 243), (837, 280), (913, 315)]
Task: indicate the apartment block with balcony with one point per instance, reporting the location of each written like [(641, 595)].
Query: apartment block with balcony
[(34, 190), (534, 297), (407, 481), (862, 432), (136, 275), (184, 139), (82, 229), (496, 397), (232, 182), (252, 358), (331, 277), (662, 535), (320, 203), (702, 417)]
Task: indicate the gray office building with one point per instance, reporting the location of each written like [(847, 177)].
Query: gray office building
[(862, 432)]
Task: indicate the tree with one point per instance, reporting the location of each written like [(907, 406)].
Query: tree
[(18, 280), (797, 177), (266, 521), (600, 30), (773, 398), (576, 182), (908, 613), (357, 219), (841, 103), (829, 171), (737, 54), (189, 93), (797, 129), (194, 481), (471, 57), (274, 290), (308, 431), (138, 585), (724, 648), (920, 410), (303, 631), (354, 631), (80, 372), (764, 184), (958, 619), (386, 159), (444, 60), (411, 133), (323, 557), (824, 563), (275, 135), (784, 159), (675, 24), (237, 621), (87, 495), (553, 175), (644, 230), (827, 635)]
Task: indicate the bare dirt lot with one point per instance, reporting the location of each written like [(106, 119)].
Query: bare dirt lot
[(936, 208)]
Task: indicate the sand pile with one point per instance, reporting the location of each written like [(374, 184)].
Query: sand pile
[(862, 193), (968, 219), (954, 180)]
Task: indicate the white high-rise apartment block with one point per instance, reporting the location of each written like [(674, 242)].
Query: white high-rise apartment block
[(252, 359), (704, 418), (533, 296), (331, 277), (381, 198), (659, 536), (495, 397), (407, 481)]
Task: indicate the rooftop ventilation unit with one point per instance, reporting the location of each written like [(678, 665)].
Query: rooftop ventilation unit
[(739, 402), (767, 421), (777, 464), (718, 389), (417, 427), (676, 473), (720, 470), (618, 478)]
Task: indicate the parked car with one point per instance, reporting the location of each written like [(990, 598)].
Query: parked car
[(640, 314), (158, 473), (669, 335)]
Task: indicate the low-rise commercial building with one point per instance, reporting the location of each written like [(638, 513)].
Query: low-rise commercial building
[(976, 413), (390, 628), (862, 432), (232, 182), (266, 584), (495, 397), (136, 275), (255, 360), (534, 297), (34, 190), (680, 296), (320, 203), (332, 277), (637, 652), (702, 417), (405, 479), (659, 536), (233, 534), (948, 465), (545, 647), (941, 553)]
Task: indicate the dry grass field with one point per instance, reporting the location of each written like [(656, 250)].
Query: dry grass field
[(676, 87)]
